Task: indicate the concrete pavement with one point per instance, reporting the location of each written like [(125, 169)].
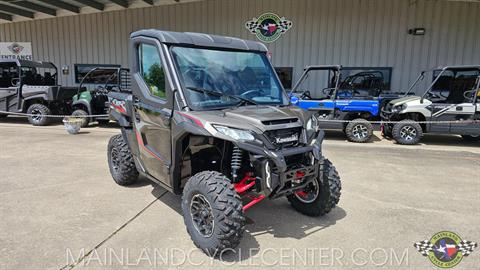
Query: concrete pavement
[(58, 202)]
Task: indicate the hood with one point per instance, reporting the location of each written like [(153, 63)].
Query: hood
[(256, 118), (400, 101)]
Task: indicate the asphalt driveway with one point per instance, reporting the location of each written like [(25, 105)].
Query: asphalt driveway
[(59, 205)]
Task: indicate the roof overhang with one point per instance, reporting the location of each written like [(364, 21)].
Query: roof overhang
[(27, 10)]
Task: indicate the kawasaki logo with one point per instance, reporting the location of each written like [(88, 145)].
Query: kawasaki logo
[(292, 138)]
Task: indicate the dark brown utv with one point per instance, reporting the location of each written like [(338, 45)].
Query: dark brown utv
[(208, 118)]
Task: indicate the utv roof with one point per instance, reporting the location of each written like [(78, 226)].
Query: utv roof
[(201, 40), (27, 63), (468, 67), (323, 67)]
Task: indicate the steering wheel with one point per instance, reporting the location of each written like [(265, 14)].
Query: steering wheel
[(306, 95), (328, 91), (250, 92), (435, 95), (470, 94)]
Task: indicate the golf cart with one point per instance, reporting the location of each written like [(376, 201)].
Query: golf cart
[(208, 118), (32, 87), (452, 100), (95, 101), (349, 104)]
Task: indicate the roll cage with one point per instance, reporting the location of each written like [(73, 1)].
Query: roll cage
[(113, 77), (15, 72), (437, 78)]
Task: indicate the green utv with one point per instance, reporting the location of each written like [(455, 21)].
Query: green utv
[(208, 118), (95, 101)]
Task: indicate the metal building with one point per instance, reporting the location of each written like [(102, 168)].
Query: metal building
[(354, 33)]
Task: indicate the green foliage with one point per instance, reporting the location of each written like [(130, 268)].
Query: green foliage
[(155, 79)]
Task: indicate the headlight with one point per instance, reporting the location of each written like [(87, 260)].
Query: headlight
[(399, 108), (236, 134), (312, 124)]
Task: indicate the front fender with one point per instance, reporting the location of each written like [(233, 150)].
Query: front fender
[(82, 103)]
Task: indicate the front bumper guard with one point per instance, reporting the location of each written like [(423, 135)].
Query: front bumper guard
[(273, 173)]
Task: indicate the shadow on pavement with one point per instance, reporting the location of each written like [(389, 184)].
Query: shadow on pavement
[(277, 219), (338, 135), (57, 121), (442, 140)]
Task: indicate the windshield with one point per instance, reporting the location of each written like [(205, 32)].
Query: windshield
[(246, 75)]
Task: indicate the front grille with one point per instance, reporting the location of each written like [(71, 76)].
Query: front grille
[(283, 138), (279, 122)]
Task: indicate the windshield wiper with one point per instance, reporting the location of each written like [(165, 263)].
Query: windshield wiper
[(221, 94)]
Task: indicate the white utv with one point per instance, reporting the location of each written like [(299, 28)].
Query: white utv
[(450, 105)]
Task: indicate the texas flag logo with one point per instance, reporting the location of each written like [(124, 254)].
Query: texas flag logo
[(445, 249), (268, 27)]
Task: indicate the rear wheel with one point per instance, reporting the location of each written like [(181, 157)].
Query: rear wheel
[(37, 114), (471, 138), (212, 212), (120, 161), (407, 132), (82, 114), (322, 195), (359, 130)]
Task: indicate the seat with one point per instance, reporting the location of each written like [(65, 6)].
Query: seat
[(48, 79)]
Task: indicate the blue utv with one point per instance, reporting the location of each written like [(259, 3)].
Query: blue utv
[(350, 104)]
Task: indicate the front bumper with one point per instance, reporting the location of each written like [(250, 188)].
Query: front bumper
[(276, 175)]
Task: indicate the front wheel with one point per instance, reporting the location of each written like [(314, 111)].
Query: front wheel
[(82, 114), (471, 138), (37, 114), (407, 132), (120, 161), (320, 196), (212, 212), (359, 130)]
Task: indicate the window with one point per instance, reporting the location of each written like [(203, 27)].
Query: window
[(285, 75), (82, 69), (365, 81), (151, 69), (8, 75), (454, 85), (233, 76)]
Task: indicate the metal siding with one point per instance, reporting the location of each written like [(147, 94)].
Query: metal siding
[(347, 32)]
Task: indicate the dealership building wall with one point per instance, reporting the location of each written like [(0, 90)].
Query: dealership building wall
[(363, 33)]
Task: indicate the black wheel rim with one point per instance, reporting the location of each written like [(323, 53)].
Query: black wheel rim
[(360, 131), (36, 115), (202, 215), (114, 157), (309, 194), (408, 133)]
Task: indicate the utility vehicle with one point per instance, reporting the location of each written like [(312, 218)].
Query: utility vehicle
[(350, 103), (451, 100), (95, 101), (32, 87), (208, 118)]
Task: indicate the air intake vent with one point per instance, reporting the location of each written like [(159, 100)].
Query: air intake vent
[(279, 122)]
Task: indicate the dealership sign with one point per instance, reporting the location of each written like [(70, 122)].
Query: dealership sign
[(268, 27), (16, 50)]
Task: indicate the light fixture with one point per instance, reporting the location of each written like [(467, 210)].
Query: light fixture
[(417, 31)]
